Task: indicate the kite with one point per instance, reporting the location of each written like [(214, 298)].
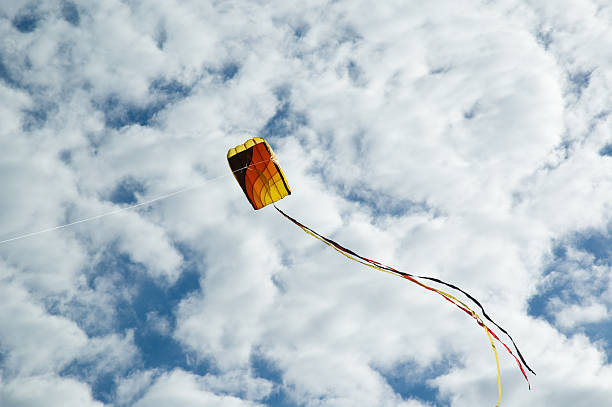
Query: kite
[(258, 173), (256, 169)]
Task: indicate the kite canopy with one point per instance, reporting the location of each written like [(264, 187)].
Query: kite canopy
[(258, 173)]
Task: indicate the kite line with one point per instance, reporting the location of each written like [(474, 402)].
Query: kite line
[(117, 210)]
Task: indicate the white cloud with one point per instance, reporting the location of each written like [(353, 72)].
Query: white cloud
[(239, 382), (34, 341), (455, 139), (181, 388), (569, 316), (111, 354), (227, 318), (47, 390), (133, 387)]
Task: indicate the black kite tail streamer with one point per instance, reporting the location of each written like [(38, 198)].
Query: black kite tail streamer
[(414, 278)]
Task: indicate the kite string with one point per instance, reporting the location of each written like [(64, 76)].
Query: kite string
[(123, 209)]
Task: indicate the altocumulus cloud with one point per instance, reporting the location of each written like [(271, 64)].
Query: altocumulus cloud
[(464, 139)]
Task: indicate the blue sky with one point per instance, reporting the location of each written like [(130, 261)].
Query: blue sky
[(464, 140)]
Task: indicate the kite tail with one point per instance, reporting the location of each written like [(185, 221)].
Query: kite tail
[(382, 267), (484, 313)]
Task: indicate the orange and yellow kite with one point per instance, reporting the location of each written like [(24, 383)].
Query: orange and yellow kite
[(258, 173)]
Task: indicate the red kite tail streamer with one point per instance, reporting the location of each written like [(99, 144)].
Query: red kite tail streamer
[(414, 279)]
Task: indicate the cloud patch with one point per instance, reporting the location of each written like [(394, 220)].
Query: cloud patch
[(464, 140)]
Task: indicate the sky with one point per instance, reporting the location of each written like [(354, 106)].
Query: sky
[(468, 140)]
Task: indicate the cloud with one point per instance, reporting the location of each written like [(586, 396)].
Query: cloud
[(46, 390), (178, 387), (37, 343), (465, 140), (573, 315)]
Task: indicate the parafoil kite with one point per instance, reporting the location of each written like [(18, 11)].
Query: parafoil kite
[(257, 171)]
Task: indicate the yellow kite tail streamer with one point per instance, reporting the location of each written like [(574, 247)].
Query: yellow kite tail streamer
[(458, 303)]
